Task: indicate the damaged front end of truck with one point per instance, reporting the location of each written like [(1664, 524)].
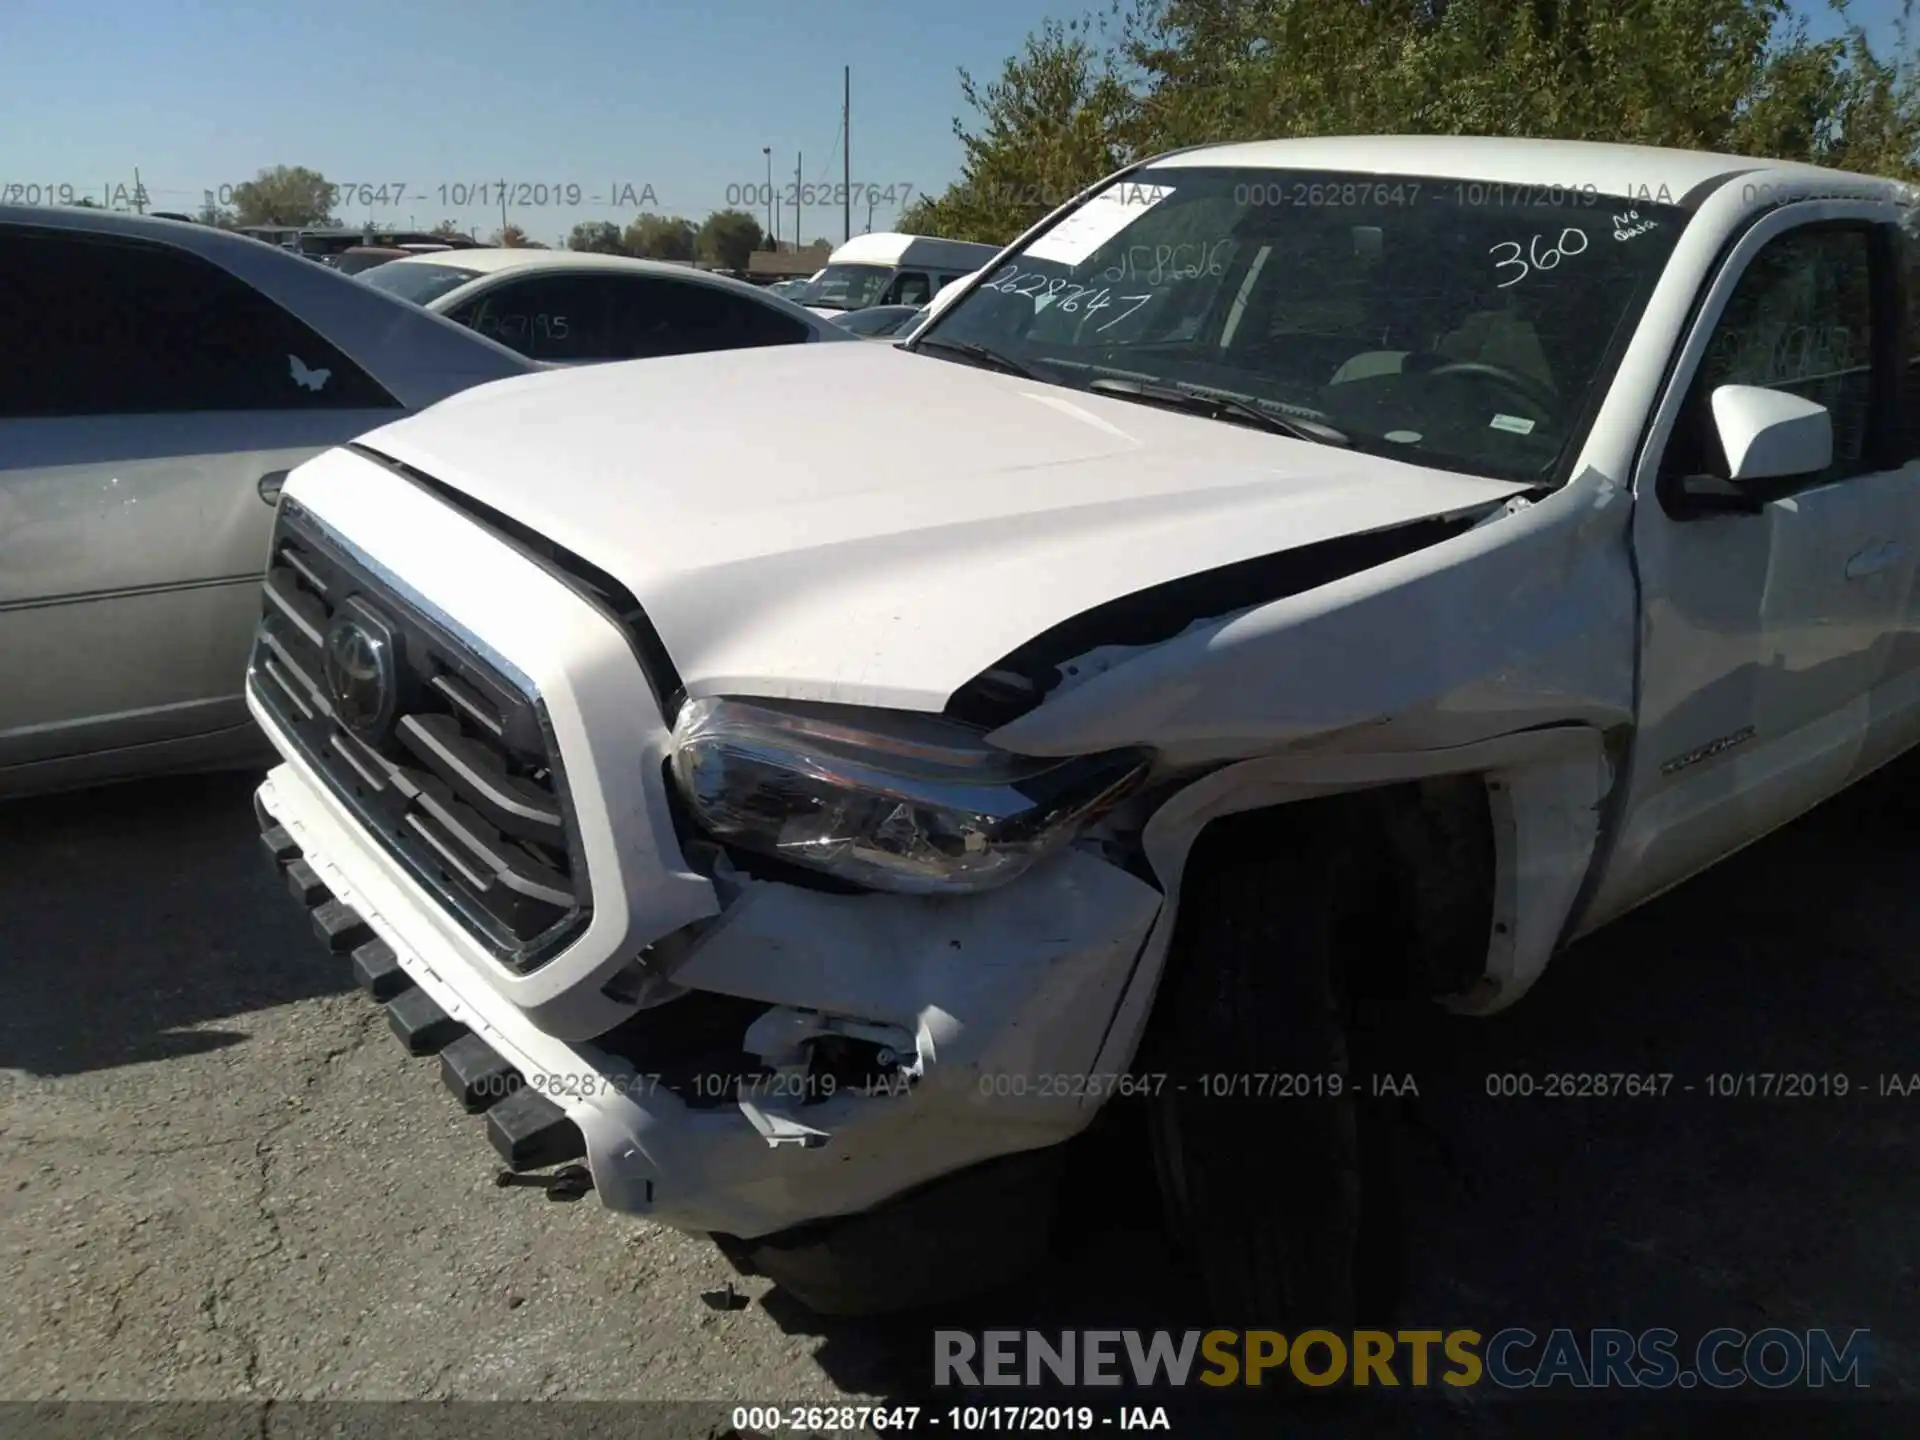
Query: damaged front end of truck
[(834, 983)]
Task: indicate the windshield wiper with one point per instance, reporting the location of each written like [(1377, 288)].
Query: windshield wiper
[(1222, 407), (979, 355)]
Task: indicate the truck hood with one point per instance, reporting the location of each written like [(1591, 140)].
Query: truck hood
[(861, 524)]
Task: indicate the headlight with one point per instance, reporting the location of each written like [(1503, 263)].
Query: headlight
[(886, 799)]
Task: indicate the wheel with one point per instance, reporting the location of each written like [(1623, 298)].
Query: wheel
[(1276, 1165)]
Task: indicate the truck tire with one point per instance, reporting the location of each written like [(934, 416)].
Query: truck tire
[(1275, 1168)]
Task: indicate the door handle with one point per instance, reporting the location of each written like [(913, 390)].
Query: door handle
[(270, 483), (1875, 559)]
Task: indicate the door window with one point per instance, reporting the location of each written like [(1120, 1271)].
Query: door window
[(562, 318), (671, 317), (1799, 319), (910, 287), (580, 318), (96, 325)]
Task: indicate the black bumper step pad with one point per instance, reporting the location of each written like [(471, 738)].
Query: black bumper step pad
[(280, 845), (478, 1076), (305, 883), (376, 970), (530, 1132), (423, 1027), (340, 927)]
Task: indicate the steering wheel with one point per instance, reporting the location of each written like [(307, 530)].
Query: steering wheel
[(1525, 387)]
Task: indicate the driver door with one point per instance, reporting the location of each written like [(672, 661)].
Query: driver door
[(1768, 640)]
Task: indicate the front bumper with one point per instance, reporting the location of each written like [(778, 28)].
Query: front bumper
[(987, 1011), (1012, 993)]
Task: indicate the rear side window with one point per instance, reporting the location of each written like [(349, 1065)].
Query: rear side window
[(673, 318), (582, 318), (560, 318), (93, 325)]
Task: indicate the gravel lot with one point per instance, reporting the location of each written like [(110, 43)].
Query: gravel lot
[(221, 1179)]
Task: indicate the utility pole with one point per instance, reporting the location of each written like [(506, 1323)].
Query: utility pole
[(503, 212), (773, 225), (797, 230), (846, 152), (139, 195)]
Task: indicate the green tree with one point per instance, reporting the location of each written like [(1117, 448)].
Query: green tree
[(284, 195), (447, 230), (660, 237), (921, 217), (1738, 76), (599, 237), (1058, 117), (727, 237), (512, 237)]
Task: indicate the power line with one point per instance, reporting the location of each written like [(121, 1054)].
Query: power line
[(839, 134)]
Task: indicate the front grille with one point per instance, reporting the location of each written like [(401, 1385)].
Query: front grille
[(459, 779)]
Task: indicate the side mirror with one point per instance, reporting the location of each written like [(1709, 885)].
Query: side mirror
[(1771, 434), (1765, 435)]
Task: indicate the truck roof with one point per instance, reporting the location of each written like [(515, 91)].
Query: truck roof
[(1573, 164), (892, 248)]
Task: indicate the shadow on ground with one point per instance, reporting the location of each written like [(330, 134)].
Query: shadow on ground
[(145, 916), (137, 920)]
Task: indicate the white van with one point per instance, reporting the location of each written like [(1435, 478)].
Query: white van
[(891, 269)]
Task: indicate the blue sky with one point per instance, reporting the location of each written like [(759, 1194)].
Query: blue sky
[(612, 97)]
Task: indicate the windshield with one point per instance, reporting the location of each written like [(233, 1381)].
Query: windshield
[(878, 319), (1465, 326), (422, 284), (847, 287), (353, 263)]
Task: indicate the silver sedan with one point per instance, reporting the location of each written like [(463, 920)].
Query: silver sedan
[(157, 379)]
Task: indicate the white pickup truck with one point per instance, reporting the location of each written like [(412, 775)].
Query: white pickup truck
[(1349, 570)]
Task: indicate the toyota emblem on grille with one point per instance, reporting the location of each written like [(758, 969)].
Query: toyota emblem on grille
[(362, 679)]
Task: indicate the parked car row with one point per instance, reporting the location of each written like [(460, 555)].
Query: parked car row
[(568, 306), (358, 258), (1304, 614), (894, 323), (160, 378), (891, 269), (881, 322)]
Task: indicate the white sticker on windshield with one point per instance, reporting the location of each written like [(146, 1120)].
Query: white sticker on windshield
[(1517, 424), (1096, 222)]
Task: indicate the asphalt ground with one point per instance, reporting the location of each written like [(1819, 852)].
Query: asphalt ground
[(222, 1180)]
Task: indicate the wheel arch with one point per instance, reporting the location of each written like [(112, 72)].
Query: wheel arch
[(1534, 798)]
